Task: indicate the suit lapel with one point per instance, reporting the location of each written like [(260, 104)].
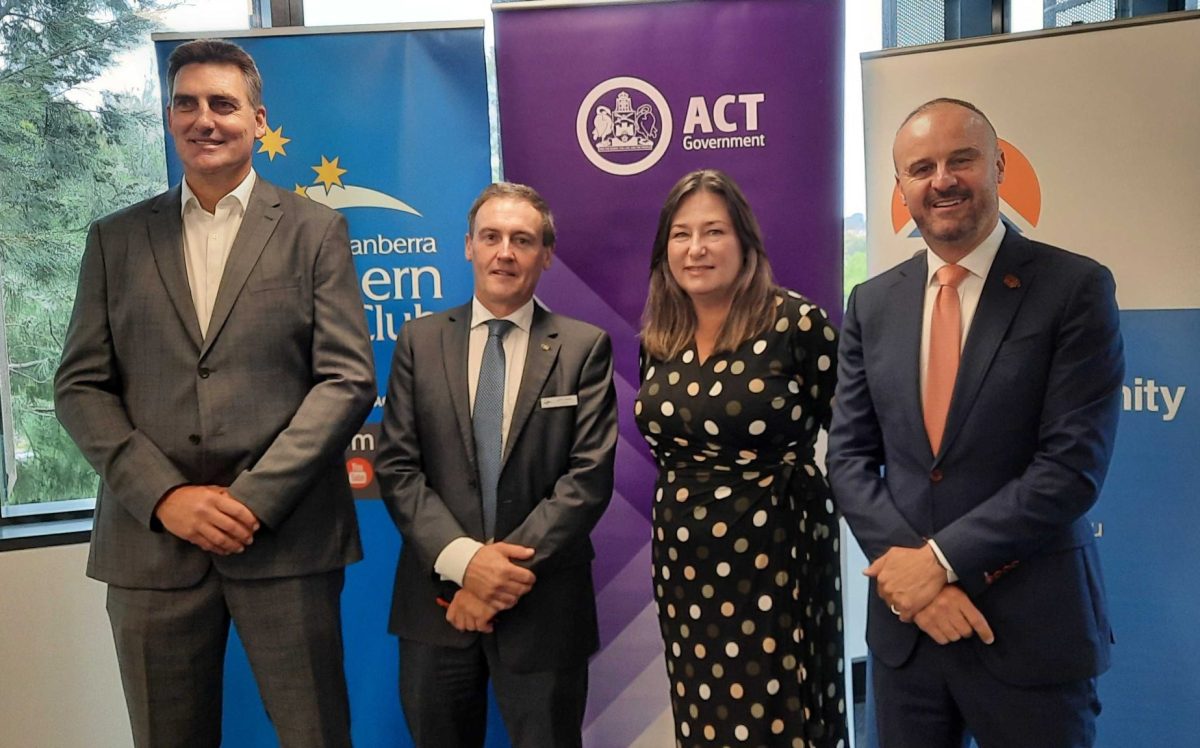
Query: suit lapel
[(165, 228), (261, 219), (539, 360), (1003, 291), (906, 305), (454, 358)]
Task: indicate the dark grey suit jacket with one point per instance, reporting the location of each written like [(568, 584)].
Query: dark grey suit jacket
[(556, 480), (1029, 435), (265, 405)]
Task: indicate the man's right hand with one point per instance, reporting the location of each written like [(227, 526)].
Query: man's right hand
[(208, 517), (952, 616), (495, 579), (467, 612)]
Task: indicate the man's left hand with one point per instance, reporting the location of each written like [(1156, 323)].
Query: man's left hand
[(907, 579)]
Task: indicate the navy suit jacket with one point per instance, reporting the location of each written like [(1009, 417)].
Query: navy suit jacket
[(1027, 443)]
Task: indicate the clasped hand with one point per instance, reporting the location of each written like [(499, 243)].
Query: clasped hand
[(492, 576), (907, 579), (468, 613), (952, 616), (913, 584), (209, 517)]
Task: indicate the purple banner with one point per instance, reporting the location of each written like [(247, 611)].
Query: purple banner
[(602, 109)]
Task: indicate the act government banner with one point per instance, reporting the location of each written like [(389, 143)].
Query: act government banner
[(602, 109), (389, 125), (1098, 124)]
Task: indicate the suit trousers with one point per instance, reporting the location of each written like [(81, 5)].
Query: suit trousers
[(443, 691), (171, 652), (944, 693)]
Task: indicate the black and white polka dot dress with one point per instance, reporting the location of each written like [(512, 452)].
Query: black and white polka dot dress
[(745, 548)]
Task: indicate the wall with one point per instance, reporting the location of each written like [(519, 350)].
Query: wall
[(60, 687)]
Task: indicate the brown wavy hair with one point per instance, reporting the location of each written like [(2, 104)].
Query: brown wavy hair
[(669, 319)]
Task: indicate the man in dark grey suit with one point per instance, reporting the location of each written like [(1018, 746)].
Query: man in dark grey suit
[(496, 461), (216, 365)]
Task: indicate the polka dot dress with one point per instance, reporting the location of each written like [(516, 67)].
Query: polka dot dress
[(745, 547)]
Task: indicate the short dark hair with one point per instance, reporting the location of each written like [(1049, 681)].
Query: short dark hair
[(517, 192), (216, 51), (952, 102)]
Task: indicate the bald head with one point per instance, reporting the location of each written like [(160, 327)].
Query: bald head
[(948, 101), (948, 168), (972, 114)]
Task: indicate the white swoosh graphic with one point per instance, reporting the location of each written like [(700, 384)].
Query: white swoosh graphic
[(352, 196)]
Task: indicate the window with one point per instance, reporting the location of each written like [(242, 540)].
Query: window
[(1066, 13), (1030, 15), (80, 136), (911, 22), (864, 33)]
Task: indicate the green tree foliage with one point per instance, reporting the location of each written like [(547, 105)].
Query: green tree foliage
[(64, 164), (854, 255)]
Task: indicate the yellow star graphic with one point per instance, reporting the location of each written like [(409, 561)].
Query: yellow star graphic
[(301, 190), (329, 173), (272, 143)]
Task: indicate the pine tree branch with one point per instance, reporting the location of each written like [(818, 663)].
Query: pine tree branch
[(53, 55)]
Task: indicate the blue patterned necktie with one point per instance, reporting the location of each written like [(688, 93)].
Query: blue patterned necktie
[(488, 420)]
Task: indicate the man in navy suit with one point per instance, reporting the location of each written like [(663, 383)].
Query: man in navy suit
[(987, 611)]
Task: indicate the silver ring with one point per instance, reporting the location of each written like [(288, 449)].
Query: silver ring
[(893, 607)]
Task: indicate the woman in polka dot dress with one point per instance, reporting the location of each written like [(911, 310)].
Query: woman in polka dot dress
[(737, 380)]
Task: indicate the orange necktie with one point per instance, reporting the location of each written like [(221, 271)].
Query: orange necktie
[(945, 343)]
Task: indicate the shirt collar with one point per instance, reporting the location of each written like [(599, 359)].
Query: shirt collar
[(522, 318), (241, 194), (978, 261)]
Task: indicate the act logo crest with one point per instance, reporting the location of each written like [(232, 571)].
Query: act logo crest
[(623, 126)]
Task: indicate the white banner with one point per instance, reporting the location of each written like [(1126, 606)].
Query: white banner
[(1108, 120)]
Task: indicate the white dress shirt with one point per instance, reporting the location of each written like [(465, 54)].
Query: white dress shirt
[(451, 563), (207, 239), (978, 262)]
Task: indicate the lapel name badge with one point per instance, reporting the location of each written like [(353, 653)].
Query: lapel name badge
[(560, 401)]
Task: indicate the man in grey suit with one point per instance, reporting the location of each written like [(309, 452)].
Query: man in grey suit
[(496, 461), (216, 365)]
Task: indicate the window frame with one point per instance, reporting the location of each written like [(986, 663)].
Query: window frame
[(66, 521)]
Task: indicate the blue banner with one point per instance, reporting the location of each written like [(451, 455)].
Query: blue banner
[(389, 126), (1145, 523)]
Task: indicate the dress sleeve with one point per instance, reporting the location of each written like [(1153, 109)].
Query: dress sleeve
[(644, 363), (814, 346)]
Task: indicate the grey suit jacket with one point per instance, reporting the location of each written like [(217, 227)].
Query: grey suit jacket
[(265, 404), (556, 480), (1029, 435)]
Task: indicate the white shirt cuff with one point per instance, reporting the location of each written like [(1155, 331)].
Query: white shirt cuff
[(451, 563), (951, 577)]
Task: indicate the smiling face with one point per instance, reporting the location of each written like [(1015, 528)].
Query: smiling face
[(949, 168), (507, 253), (703, 250), (214, 125)]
